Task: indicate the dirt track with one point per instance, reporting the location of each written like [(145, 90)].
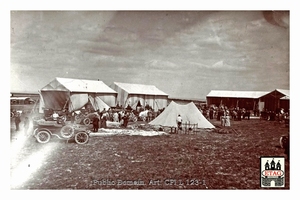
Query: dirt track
[(225, 158)]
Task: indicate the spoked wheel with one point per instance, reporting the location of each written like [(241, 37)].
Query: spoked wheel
[(67, 131), (86, 121), (43, 137), (81, 138)]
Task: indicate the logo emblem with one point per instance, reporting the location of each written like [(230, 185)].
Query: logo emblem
[(272, 172)]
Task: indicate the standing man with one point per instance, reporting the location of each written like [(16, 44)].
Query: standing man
[(116, 117), (96, 123), (73, 117), (179, 122), (211, 113), (101, 117), (125, 119), (104, 118), (17, 120)]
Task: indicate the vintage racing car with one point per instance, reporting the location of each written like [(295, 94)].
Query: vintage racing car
[(44, 130)]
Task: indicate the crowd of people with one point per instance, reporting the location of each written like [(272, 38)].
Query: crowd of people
[(100, 118), (221, 113), (123, 116), (279, 114), (224, 114), (236, 114)]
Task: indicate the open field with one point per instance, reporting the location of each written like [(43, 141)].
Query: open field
[(225, 158)]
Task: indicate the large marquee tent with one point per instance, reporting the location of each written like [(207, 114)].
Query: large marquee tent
[(73, 94), (133, 94)]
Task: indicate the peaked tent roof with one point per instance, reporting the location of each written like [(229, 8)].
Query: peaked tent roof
[(189, 113), (236, 94), (131, 88), (78, 85)]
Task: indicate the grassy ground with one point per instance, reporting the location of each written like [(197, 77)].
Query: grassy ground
[(224, 158)]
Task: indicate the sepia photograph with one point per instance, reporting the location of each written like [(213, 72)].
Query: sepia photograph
[(149, 99)]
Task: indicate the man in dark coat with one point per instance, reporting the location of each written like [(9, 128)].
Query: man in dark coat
[(126, 119), (96, 123), (211, 113)]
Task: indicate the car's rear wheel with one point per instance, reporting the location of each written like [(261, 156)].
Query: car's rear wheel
[(43, 136), (86, 121)]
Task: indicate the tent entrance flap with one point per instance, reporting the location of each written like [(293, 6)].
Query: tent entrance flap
[(77, 101), (98, 104), (55, 100)]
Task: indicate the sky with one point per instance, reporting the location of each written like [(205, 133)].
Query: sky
[(186, 54)]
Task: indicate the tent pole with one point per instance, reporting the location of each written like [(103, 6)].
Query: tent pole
[(66, 104), (156, 104)]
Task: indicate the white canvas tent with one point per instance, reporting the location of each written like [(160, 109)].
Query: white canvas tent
[(75, 93), (130, 94), (189, 113)]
